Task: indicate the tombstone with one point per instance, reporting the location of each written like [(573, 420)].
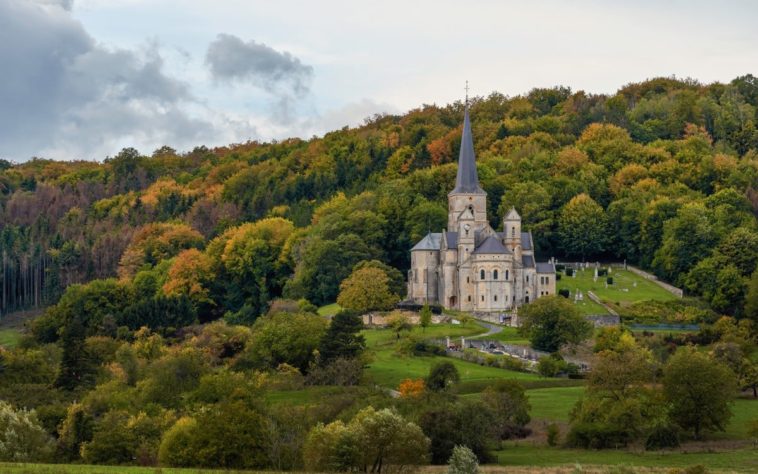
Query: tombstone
[(624, 264), (447, 342), (635, 284), (610, 270), (463, 342), (606, 284)]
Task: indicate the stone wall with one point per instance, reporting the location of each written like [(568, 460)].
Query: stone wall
[(678, 292)]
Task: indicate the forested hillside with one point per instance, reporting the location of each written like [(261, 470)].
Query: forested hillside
[(663, 174)]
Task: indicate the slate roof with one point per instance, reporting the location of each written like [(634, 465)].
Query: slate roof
[(527, 261), (467, 180), (512, 215), (526, 241), (452, 239), (430, 242), (545, 267), (491, 245)]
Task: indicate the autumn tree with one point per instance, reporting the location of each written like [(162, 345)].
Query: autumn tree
[(366, 289)]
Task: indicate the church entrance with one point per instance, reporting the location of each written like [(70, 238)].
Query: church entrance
[(452, 301)]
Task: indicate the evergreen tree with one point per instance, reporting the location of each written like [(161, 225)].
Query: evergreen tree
[(343, 338)]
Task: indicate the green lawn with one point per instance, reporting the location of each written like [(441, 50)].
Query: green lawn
[(329, 310), (509, 335), (622, 292), (388, 368), (553, 403), (9, 337), (527, 454)]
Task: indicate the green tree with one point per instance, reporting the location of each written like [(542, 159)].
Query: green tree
[(442, 375), (751, 298), (284, 338), (465, 423), (366, 289), (343, 338), (22, 439), (510, 406), (425, 317), (582, 227), (699, 390), (463, 461), (551, 321)]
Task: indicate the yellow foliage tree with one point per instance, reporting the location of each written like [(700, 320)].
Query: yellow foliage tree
[(189, 274), (366, 289)]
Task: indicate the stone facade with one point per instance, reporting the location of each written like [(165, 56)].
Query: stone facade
[(470, 266)]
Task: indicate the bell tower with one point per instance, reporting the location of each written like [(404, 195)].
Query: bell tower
[(467, 198)]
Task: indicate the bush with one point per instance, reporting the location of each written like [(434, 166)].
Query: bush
[(609, 280), (569, 272), (442, 375), (602, 272), (597, 435), (549, 366), (22, 439), (662, 436), (344, 372), (564, 292), (558, 277), (560, 267), (463, 461), (553, 434)]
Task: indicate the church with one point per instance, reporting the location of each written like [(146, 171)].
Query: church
[(470, 266)]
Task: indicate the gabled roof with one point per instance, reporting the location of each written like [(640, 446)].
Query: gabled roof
[(491, 245), (467, 181), (527, 261), (452, 239), (545, 267), (512, 215), (430, 242), (526, 241)]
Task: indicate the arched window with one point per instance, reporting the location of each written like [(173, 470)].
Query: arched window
[(469, 297), (481, 274), (495, 297), (482, 298), (494, 276), (506, 274), (467, 280)]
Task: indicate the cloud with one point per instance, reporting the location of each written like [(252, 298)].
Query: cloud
[(64, 4), (66, 96), (231, 59)]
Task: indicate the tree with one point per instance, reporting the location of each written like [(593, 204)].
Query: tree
[(551, 321), (510, 406), (442, 375), (463, 461), (366, 289), (284, 338), (372, 441), (22, 439), (343, 338), (396, 280), (425, 317), (700, 391), (465, 423), (409, 388), (751, 298), (582, 227)]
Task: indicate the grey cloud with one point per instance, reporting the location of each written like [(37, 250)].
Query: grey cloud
[(65, 4), (280, 73), (61, 92)]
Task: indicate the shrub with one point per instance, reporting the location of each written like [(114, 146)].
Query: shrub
[(609, 280), (569, 272), (22, 438), (553, 434), (558, 277), (589, 435), (662, 436), (560, 267), (463, 461), (602, 272), (442, 375), (564, 292)]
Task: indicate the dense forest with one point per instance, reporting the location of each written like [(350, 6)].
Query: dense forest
[(181, 291), (663, 174)]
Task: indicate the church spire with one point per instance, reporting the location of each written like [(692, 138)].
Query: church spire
[(467, 181)]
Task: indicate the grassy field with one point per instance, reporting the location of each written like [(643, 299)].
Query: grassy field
[(9, 337), (622, 292), (727, 460), (388, 368), (509, 335), (329, 309)]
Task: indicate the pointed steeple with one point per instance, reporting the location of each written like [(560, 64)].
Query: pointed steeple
[(467, 181)]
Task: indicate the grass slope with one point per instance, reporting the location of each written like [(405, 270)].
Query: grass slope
[(621, 292), (9, 337)]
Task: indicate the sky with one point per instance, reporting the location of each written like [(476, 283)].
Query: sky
[(82, 79)]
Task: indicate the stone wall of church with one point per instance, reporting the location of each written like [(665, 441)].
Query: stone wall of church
[(457, 203), (546, 284), (423, 276), (494, 282)]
